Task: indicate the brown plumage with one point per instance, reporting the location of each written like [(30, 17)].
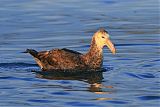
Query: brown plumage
[(65, 59)]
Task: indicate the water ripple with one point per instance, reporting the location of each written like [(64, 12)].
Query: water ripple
[(60, 93), (16, 64), (40, 101), (149, 97), (147, 75), (20, 78), (118, 102), (133, 75), (81, 104), (137, 44), (141, 76)]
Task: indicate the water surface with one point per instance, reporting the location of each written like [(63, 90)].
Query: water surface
[(132, 76)]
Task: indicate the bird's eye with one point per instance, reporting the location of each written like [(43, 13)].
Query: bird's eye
[(103, 37)]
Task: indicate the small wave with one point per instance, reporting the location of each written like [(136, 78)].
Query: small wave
[(118, 102), (149, 97), (86, 104), (21, 78), (141, 76), (40, 101), (15, 65), (133, 75), (147, 75), (60, 93), (137, 44)]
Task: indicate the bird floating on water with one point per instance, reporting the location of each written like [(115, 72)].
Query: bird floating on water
[(65, 59)]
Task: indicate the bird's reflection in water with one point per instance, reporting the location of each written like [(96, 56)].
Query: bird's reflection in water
[(93, 78)]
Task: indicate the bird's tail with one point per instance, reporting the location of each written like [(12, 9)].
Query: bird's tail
[(33, 52)]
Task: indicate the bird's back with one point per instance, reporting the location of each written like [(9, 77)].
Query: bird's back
[(60, 59)]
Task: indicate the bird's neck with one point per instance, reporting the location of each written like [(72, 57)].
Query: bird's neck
[(94, 57)]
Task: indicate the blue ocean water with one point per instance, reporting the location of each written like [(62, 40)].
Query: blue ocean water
[(132, 76)]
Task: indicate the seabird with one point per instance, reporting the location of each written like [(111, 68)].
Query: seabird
[(65, 59)]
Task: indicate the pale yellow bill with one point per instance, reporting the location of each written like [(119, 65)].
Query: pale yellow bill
[(110, 46)]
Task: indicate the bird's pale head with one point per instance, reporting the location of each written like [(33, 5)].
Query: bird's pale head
[(102, 38)]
